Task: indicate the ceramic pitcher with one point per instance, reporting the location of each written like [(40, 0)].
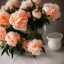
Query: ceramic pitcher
[(54, 41)]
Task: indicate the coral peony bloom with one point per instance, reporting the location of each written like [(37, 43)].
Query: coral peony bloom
[(24, 45), (36, 14), (53, 10), (19, 20), (37, 2), (17, 36), (26, 4), (2, 33), (4, 18), (11, 39), (34, 46)]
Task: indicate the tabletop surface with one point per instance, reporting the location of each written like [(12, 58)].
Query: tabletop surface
[(49, 58)]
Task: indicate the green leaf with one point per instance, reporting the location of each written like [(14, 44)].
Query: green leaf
[(19, 49), (7, 53), (11, 10), (5, 49), (3, 52), (34, 56), (43, 49), (12, 51), (48, 22), (43, 11)]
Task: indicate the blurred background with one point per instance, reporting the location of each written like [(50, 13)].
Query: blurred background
[(58, 25)]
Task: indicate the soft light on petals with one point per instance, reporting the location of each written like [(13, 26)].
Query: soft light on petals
[(26, 4), (34, 46), (53, 10), (4, 18), (24, 45), (17, 36), (2, 33), (19, 20), (11, 38)]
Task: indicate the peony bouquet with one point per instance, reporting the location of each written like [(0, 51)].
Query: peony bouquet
[(20, 25)]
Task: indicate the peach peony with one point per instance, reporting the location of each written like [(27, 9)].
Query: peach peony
[(2, 33), (26, 4), (24, 45), (53, 10), (36, 14), (17, 36), (11, 39), (19, 20), (4, 18), (10, 4), (34, 46)]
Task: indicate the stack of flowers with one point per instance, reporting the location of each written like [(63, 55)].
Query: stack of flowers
[(19, 25)]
